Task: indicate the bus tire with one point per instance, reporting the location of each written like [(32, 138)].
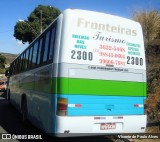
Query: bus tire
[(24, 109)]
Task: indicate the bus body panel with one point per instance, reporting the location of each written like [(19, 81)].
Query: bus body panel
[(91, 105), (38, 96), (102, 70), (104, 40), (39, 88), (98, 73), (91, 125), (102, 91)]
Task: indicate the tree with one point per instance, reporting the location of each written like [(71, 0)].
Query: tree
[(150, 22), (28, 30), (2, 61)]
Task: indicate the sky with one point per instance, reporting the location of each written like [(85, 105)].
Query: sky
[(13, 10)]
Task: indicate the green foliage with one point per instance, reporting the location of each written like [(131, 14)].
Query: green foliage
[(23, 32), (153, 79), (28, 30), (2, 71), (2, 61), (150, 22), (153, 69)]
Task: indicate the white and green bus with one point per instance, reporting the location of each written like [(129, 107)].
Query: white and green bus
[(84, 74)]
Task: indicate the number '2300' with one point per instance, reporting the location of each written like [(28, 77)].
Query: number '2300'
[(134, 60), (82, 55)]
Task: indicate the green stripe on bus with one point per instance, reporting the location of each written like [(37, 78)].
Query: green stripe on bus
[(62, 85), (100, 87)]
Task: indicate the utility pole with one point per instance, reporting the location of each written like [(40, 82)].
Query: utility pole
[(41, 22)]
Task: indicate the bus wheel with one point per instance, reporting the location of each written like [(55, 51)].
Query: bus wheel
[(24, 110)]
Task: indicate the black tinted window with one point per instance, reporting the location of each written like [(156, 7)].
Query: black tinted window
[(45, 56)]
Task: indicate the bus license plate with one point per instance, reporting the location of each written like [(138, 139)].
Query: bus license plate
[(106, 126)]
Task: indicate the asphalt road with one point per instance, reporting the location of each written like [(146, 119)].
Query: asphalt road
[(11, 123)]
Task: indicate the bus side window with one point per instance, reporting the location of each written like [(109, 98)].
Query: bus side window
[(35, 50), (13, 68), (19, 64), (16, 66), (30, 58), (26, 60), (40, 51), (51, 51), (23, 61), (46, 47)]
